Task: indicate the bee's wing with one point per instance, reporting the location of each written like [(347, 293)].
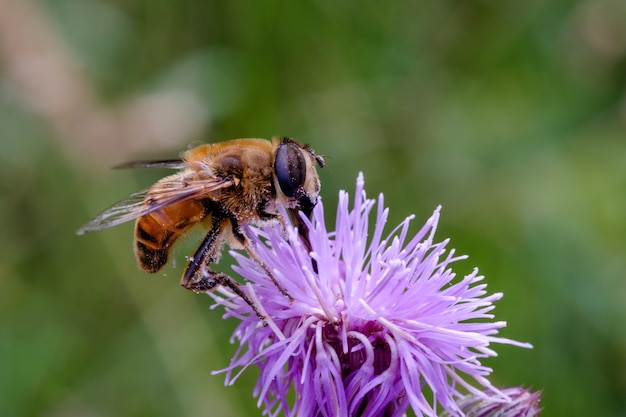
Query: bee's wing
[(146, 201), (163, 163), (125, 210)]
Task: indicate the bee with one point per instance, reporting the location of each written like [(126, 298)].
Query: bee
[(220, 186)]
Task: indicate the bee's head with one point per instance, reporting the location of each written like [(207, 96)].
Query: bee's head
[(296, 176)]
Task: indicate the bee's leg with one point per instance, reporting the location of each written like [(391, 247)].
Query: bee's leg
[(199, 278), (283, 225), (267, 216), (241, 238), (212, 279), (204, 255)]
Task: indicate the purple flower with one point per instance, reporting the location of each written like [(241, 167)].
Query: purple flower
[(378, 325), (521, 403)]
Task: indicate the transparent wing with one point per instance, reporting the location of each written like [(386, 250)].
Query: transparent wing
[(146, 201), (127, 209), (163, 163)]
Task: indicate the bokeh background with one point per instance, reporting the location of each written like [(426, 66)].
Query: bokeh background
[(511, 115)]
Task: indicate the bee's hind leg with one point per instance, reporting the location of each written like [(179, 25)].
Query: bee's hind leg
[(199, 278), (211, 279)]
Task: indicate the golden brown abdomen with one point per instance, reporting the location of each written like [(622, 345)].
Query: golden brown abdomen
[(156, 232)]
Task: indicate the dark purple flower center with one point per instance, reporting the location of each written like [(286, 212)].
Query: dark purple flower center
[(356, 355)]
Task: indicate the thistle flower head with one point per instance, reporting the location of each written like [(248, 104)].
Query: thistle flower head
[(379, 322)]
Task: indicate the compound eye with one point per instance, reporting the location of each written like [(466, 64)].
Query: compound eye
[(290, 168)]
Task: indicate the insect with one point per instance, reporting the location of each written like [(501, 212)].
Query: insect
[(221, 186)]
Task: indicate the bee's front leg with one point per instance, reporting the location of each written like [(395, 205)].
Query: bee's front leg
[(268, 217)]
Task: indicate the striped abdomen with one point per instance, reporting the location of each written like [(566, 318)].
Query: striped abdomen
[(156, 232)]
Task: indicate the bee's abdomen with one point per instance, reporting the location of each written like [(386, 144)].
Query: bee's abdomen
[(150, 260), (156, 232), (152, 242)]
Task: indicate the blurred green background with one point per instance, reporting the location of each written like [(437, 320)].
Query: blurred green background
[(512, 115)]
